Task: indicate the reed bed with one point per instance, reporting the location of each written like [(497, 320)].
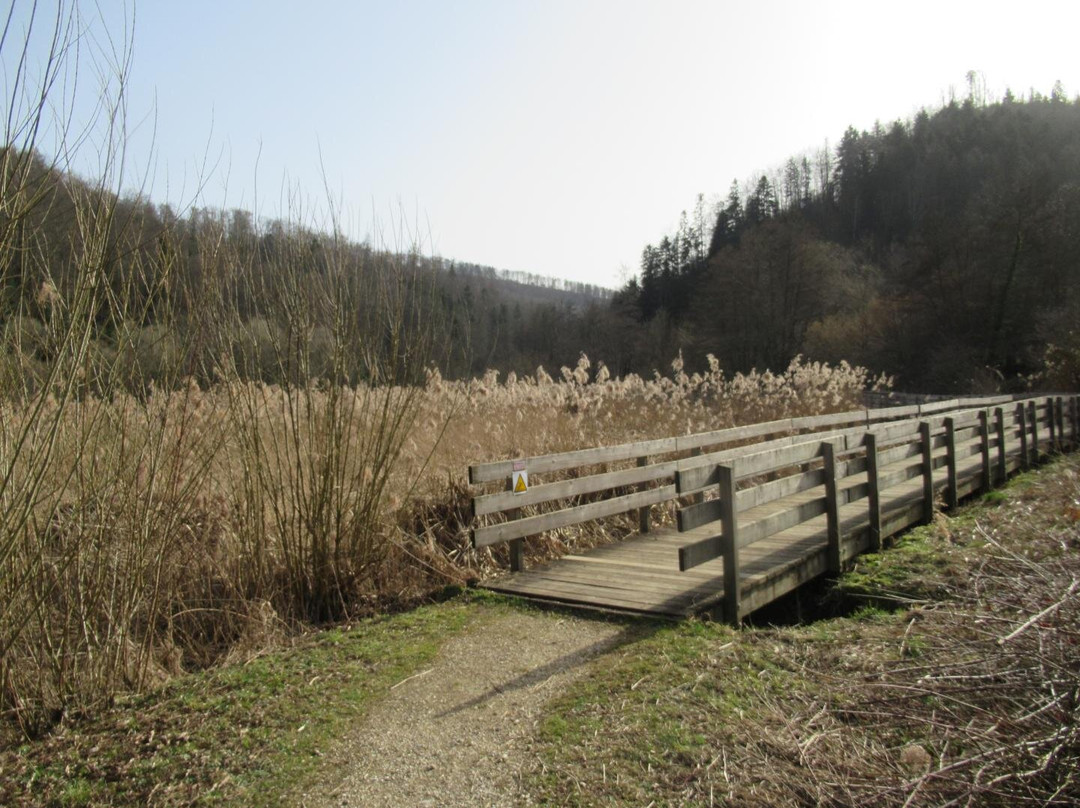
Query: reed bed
[(176, 529)]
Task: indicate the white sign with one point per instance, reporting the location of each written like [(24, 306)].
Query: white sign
[(519, 478)]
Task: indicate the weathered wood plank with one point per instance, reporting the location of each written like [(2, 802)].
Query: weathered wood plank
[(586, 595), (1033, 423), (832, 507), (540, 464), (833, 419), (903, 431), (531, 525), (874, 493), (952, 497), (565, 489), (984, 446), (671, 571), (729, 521), (905, 411), (999, 423), (904, 451), (627, 583), (939, 406), (691, 517), (643, 511)]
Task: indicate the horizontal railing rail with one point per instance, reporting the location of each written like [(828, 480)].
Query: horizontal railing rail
[(824, 475), (652, 480)]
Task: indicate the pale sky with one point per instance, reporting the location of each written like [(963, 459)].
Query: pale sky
[(556, 137)]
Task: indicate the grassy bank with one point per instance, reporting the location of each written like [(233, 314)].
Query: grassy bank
[(954, 680), (247, 734)]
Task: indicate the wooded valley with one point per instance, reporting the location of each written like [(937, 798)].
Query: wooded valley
[(942, 250)]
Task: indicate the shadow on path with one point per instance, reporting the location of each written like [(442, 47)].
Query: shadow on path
[(537, 676)]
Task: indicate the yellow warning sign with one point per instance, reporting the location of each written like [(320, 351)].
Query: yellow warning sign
[(520, 482)]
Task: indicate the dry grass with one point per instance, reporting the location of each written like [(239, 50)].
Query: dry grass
[(970, 698), (176, 529)]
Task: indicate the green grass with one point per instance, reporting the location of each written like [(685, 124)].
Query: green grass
[(700, 714), (250, 734), (924, 563)]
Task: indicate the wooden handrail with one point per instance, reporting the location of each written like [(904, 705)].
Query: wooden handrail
[(966, 429), (559, 461), (915, 452)]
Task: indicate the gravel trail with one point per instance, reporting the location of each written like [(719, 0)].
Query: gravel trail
[(456, 734)]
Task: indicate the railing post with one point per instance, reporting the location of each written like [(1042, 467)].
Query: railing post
[(696, 499), (952, 495), (928, 472), (873, 496), (1075, 413), (1003, 450), (832, 508), (1066, 420), (730, 544), (984, 436), (1060, 402), (643, 512), (1033, 414), (516, 547), (1021, 417), (1051, 417)]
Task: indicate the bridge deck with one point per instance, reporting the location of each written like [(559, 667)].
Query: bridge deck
[(641, 574)]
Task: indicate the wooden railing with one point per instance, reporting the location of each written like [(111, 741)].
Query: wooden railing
[(652, 478), (765, 491)]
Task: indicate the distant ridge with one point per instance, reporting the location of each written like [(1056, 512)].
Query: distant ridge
[(529, 287)]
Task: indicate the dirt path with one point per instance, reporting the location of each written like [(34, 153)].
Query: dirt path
[(454, 734)]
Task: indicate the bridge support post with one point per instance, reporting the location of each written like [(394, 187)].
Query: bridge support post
[(730, 546), (984, 436), (832, 508), (1025, 455), (873, 495), (952, 496), (928, 471)]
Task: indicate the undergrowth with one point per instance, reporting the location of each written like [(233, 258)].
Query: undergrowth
[(955, 684)]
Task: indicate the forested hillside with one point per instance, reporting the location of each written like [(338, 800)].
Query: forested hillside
[(944, 250), (165, 266)]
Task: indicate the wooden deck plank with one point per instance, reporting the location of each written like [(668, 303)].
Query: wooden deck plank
[(612, 599), (593, 600), (622, 576)]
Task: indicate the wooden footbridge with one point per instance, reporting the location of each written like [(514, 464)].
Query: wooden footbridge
[(761, 509)]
